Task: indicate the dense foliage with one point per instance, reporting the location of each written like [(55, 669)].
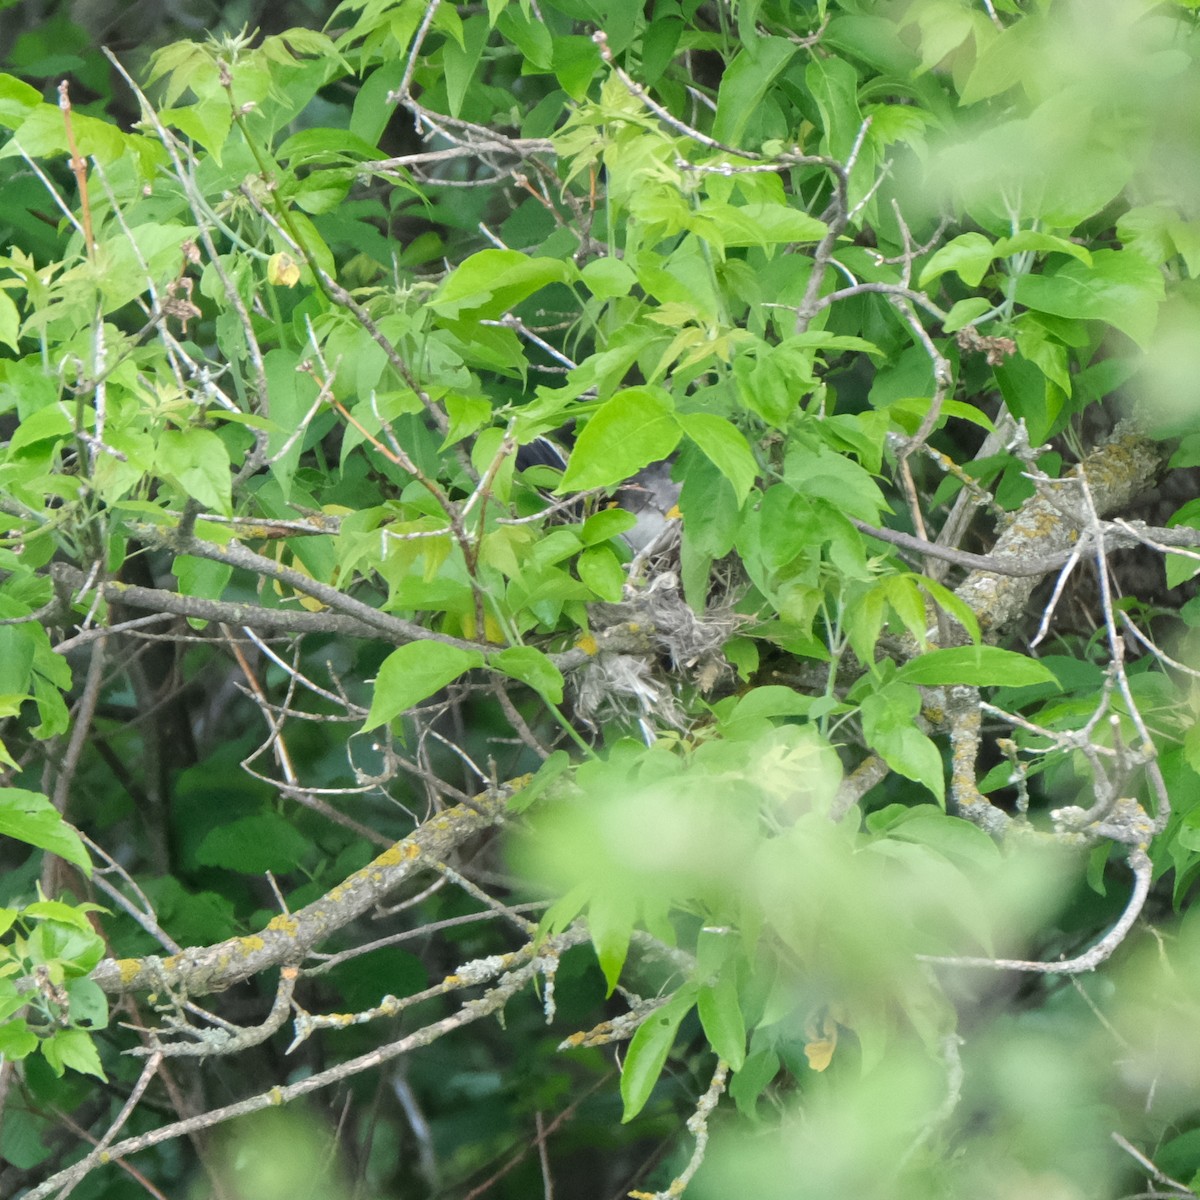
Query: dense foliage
[(792, 790)]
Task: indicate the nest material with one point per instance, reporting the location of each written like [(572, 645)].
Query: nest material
[(635, 687)]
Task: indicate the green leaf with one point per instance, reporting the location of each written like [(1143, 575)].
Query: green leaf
[(75, 915), (964, 312), (43, 133), (206, 123), (889, 724), (721, 1016), (10, 321), (16, 1040), (73, 1049), (563, 911), (635, 428), (557, 765), (772, 379), (1006, 60), (751, 1081), (325, 145), (754, 224), (610, 919), (820, 473), (323, 191), (711, 505), (413, 673), (607, 523), (65, 948), (863, 620), (530, 666), (648, 1050), (460, 61), (1041, 243), (254, 845), (724, 445), (926, 825), (981, 666), (744, 84), (43, 425), (30, 817), (833, 82), (17, 100), (530, 36), (601, 570), (778, 223), (658, 47), (200, 577), (18, 650), (969, 255), (576, 60), (88, 1005), (608, 277), (946, 600), (1047, 353), (197, 463), (488, 284), (772, 700), (1120, 288), (467, 414)]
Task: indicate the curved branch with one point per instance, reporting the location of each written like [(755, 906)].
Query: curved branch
[(1143, 872)]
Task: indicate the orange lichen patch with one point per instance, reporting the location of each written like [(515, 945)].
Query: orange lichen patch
[(404, 851), (587, 643), (283, 923), (128, 968)]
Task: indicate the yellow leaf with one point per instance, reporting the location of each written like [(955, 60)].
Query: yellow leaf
[(282, 270), (821, 1030), (820, 1054)]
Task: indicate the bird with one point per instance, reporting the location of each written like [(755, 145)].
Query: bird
[(650, 495)]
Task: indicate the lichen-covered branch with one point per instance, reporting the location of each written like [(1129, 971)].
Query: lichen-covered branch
[(1117, 472), (288, 937)]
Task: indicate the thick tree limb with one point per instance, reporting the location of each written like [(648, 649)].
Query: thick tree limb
[(289, 937), (1117, 472)]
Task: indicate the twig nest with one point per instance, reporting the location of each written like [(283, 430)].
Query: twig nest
[(636, 687)]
